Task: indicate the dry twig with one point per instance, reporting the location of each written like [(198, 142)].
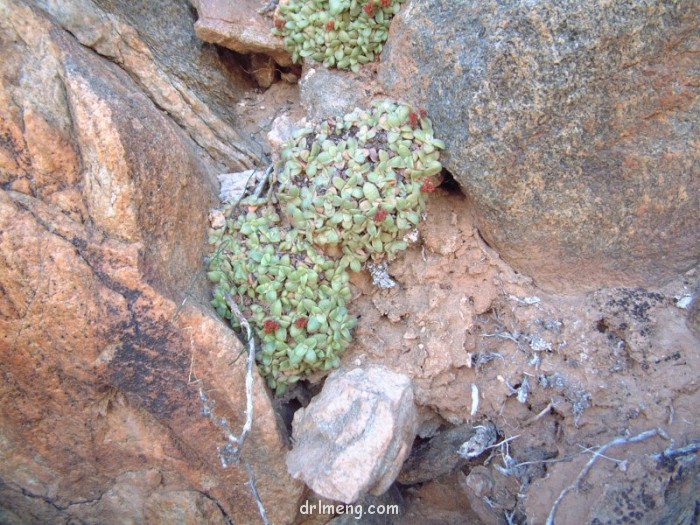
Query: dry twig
[(587, 468), (238, 441)]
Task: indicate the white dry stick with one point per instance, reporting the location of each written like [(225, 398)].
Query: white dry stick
[(254, 490), (261, 183), (584, 472), (543, 413), (238, 441)]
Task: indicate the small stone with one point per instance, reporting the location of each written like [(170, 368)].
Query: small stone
[(263, 69), (446, 452), (355, 435), (233, 185), (684, 302), (280, 132), (239, 26), (326, 93), (217, 219)]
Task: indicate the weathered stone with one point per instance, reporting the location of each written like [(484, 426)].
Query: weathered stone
[(239, 26), (331, 93), (263, 69), (440, 455), (104, 342), (156, 44), (281, 131), (571, 126), (354, 436)]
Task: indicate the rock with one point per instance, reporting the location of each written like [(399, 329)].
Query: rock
[(233, 187), (239, 26), (280, 133), (490, 494), (354, 436), (263, 69), (104, 339), (331, 93), (156, 44), (569, 125), (441, 454)]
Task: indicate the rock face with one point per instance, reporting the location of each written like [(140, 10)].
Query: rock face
[(354, 436), (571, 126), (328, 93), (240, 26), (440, 455), (104, 342), (156, 44)]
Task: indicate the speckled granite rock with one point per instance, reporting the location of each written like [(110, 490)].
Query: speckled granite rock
[(331, 93), (571, 125)]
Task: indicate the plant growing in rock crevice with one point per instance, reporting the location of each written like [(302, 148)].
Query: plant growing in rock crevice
[(347, 191), (340, 33), (358, 183)]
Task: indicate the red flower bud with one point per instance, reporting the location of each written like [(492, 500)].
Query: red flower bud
[(270, 326), (428, 186)]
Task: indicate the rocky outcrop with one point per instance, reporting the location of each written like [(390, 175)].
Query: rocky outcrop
[(104, 342), (193, 82), (571, 127), (326, 93), (355, 435), (441, 455), (241, 26)]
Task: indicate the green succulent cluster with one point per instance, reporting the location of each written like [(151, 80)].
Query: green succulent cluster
[(348, 190), (340, 33), (293, 295), (358, 183)]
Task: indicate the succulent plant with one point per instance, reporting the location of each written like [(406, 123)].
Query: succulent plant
[(359, 182), (339, 33), (347, 191)]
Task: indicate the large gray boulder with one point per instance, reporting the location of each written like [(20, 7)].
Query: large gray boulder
[(572, 126)]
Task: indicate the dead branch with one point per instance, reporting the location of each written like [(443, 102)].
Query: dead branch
[(238, 441), (587, 468)]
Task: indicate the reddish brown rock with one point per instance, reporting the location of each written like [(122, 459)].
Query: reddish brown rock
[(241, 27), (155, 42), (104, 342)]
